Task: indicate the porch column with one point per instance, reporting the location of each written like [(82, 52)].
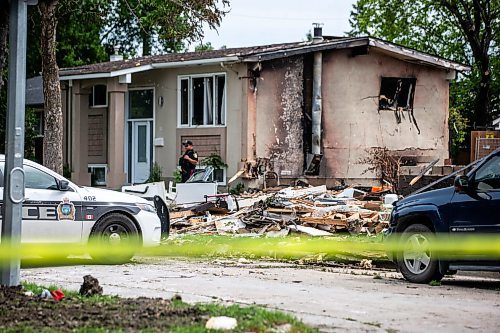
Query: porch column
[(80, 149), (116, 134)]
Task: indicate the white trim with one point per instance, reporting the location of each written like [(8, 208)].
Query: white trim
[(496, 123), (189, 77), (143, 68)]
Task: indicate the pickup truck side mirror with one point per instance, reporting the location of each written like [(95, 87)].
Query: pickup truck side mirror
[(64, 185), (461, 184)]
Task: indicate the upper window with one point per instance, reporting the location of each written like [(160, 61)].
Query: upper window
[(99, 96), (141, 104), (396, 93), (202, 100), (488, 176)]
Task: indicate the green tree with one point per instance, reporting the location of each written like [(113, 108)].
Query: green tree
[(465, 31), (204, 47), (154, 26)]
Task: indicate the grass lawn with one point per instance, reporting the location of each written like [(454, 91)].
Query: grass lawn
[(75, 313)]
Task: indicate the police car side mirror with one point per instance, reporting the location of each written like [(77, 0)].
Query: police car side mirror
[(64, 185)]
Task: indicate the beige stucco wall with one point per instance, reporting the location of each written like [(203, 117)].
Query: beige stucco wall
[(165, 83), (352, 122)]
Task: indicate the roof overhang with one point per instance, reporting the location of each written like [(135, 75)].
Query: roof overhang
[(414, 56), (307, 48), (393, 50), (143, 68), (390, 49)]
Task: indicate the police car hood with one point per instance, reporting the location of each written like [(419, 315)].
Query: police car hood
[(109, 196)]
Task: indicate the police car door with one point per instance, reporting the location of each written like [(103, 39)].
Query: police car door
[(49, 214)]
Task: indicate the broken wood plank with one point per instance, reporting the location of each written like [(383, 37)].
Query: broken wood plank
[(182, 214), (320, 220)]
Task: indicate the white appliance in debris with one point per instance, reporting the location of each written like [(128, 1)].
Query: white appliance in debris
[(195, 190)]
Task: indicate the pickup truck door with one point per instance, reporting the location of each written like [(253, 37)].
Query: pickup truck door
[(478, 209)]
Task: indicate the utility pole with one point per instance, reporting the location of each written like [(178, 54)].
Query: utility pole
[(13, 194)]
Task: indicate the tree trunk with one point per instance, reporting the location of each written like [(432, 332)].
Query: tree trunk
[(4, 36), (483, 101), (146, 43), (53, 133)]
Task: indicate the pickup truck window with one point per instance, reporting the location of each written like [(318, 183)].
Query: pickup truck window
[(488, 176)]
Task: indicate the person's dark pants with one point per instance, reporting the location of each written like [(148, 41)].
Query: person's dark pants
[(186, 175)]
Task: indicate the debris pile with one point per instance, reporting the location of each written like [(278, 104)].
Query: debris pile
[(315, 211)]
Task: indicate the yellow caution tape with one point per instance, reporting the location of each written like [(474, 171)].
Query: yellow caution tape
[(442, 247)]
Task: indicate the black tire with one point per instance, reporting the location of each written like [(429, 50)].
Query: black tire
[(415, 261), (114, 239)]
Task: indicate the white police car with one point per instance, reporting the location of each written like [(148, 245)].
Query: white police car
[(57, 211)]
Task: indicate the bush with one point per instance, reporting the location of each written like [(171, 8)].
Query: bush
[(156, 173)]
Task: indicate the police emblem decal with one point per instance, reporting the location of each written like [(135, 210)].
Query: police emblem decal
[(66, 210)]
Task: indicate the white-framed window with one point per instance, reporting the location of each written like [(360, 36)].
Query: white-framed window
[(202, 100), (98, 96), (98, 174)]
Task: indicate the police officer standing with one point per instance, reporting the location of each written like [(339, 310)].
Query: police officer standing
[(188, 161)]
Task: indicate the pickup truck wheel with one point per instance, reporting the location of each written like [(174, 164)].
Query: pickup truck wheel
[(416, 261), (114, 239)]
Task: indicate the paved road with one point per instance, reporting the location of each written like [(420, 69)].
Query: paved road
[(332, 299)]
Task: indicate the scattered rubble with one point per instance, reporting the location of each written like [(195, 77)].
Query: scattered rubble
[(315, 211), (90, 286)]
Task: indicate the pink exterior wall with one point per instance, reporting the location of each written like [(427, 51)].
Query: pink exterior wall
[(352, 122)]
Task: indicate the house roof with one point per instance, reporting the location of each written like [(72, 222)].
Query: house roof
[(252, 54)]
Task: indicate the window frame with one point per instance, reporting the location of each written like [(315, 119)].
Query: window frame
[(56, 181), (93, 166), (190, 77), (410, 97), (92, 99)]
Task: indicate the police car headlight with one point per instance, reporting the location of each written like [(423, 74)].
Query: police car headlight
[(146, 207)]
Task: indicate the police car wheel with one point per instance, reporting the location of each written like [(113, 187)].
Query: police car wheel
[(114, 239)]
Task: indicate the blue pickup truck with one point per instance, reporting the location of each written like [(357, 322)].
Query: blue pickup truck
[(471, 206)]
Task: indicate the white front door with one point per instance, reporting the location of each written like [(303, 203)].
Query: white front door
[(141, 151)]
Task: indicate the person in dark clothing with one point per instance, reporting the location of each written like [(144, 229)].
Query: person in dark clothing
[(188, 161)]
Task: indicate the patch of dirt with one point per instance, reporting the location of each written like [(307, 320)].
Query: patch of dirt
[(19, 311)]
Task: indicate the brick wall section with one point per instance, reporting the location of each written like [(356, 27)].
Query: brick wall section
[(96, 135), (204, 145)]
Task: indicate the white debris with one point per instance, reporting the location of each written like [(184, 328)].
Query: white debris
[(310, 231), (221, 323)]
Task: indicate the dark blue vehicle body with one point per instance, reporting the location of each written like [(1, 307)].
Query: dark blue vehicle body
[(472, 209)]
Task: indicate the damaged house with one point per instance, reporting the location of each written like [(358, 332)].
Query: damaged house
[(309, 109)]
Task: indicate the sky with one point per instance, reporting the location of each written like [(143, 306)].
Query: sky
[(261, 22)]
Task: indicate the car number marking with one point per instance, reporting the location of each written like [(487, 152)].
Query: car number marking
[(89, 198)]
